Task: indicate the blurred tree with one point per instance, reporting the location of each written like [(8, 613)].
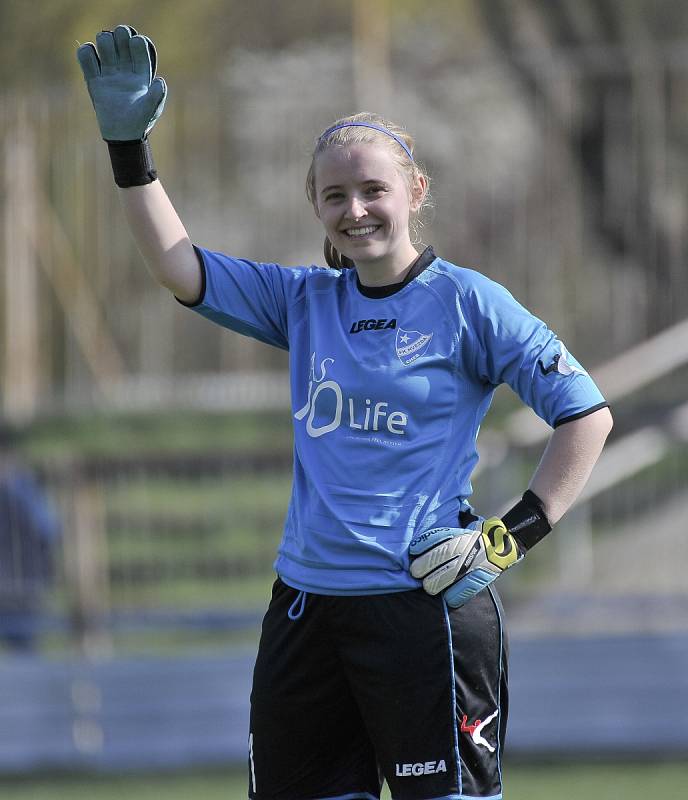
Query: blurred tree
[(39, 37), (511, 100), (192, 37), (626, 87)]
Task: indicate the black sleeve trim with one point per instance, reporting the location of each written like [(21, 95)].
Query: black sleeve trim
[(201, 296), (580, 414)]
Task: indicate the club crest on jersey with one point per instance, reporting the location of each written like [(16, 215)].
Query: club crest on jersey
[(411, 345), (563, 363)]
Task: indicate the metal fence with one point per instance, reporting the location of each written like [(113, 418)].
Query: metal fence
[(157, 543), (160, 555), (571, 699), (150, 546), (158, 548)]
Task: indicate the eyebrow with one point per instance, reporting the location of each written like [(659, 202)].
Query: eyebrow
[(339, 186)]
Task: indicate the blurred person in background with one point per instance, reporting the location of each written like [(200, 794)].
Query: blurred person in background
[(383, 652), (30, 532)]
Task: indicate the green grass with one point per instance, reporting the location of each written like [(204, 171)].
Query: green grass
[(576, 781), (599, 781), (244, 592), (170, 432), (233, 494), (181, 526), (185, 525), (239, 516)]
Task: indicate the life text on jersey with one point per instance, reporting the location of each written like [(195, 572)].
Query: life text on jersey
[(370, 414)]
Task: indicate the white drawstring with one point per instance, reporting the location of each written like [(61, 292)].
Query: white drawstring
[(297, 607)]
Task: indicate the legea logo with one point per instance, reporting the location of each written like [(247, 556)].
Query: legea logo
[(369, 416), (421, 768)]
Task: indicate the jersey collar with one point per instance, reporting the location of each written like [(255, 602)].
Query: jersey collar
[(375, 292)]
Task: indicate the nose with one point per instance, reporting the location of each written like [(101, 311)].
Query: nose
[(356, 208)]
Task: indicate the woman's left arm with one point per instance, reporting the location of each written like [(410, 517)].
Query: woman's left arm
[(566, 464), (460, 562)]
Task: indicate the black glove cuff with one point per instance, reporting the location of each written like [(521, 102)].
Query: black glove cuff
[(527, 521), (132, 163)]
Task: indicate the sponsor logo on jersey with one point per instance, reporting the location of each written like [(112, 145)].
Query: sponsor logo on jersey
[(373, 325), (411, 345), (420, 768), (338, 409), (475, 729), (560, 364)]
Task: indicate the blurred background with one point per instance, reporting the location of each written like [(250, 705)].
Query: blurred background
[(145, 454)]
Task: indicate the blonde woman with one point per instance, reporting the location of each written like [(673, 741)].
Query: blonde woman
[(382, 652)]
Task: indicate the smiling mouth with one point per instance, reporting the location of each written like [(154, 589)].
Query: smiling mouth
[(361, 233)]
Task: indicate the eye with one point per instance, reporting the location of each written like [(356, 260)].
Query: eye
[(333, 196), (375, 188)]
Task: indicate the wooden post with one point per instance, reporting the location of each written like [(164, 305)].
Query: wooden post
[(20, 384), (371, 55), (87, 566)]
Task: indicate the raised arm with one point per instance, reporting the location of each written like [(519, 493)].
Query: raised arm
[(162, 239), (128, 99)]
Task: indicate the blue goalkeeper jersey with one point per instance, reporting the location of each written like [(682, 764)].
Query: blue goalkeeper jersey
[(387, 397)]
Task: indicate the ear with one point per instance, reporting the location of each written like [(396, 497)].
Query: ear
[(418, 192)]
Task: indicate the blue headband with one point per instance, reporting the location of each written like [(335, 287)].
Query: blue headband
[(368, 125)]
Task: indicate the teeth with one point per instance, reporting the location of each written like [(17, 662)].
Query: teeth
[(362, 231)]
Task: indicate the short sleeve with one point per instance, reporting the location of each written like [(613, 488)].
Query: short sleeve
[(513, 346), (248, 297)]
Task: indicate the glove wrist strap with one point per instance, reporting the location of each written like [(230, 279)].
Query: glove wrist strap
[(527, 521), (132, 163)]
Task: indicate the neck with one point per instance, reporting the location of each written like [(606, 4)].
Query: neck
[(388, 270)]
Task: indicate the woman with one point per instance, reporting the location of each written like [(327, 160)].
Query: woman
[(382, 651)]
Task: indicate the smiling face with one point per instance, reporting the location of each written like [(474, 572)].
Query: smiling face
[(364, 203)]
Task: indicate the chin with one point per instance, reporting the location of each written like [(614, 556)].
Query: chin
[(365, 250)]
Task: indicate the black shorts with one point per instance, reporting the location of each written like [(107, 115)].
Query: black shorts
[(360, 688)]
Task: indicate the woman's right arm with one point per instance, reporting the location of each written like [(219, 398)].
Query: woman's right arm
[(162, 239), (128, 98)]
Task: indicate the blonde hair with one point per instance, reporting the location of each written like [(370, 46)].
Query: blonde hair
[(344, 133)]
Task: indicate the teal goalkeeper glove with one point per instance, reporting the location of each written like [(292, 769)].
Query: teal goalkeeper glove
[(120, 76), (461, 561)]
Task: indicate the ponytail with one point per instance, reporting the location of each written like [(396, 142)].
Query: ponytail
[(334, 258)]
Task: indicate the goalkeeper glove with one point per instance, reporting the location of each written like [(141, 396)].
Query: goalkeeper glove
[(120, 76), (127, 98), (462, 561)]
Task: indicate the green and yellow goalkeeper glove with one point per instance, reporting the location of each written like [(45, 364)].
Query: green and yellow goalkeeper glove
[(461, 561)]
